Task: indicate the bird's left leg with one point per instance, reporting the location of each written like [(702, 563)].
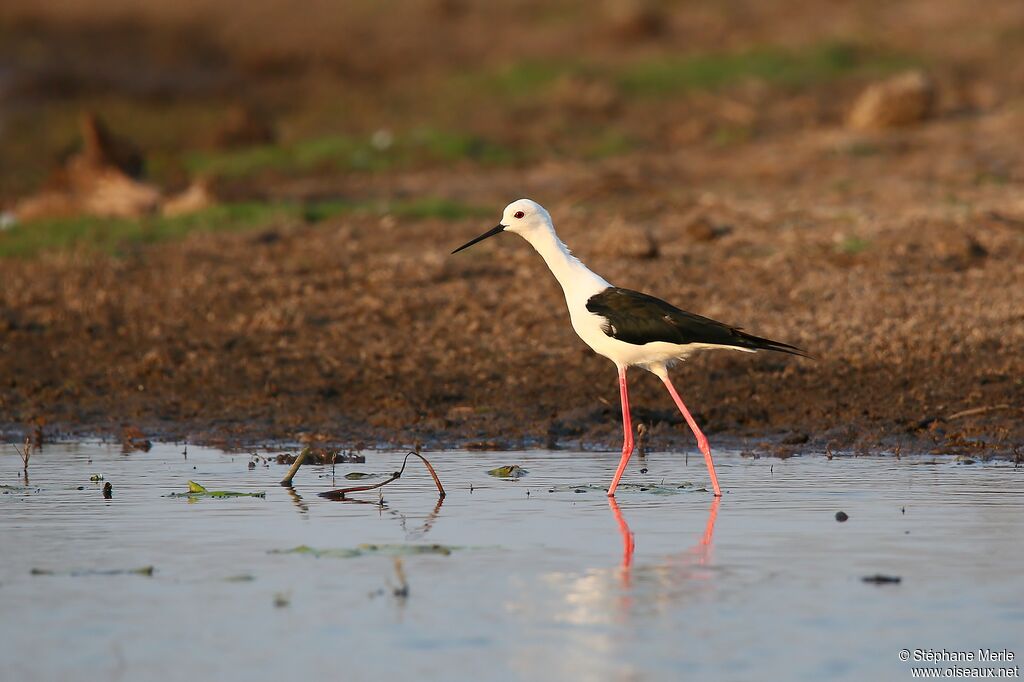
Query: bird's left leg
[(627, 429), (702, 441)]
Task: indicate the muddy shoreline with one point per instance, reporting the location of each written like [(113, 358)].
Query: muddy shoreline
[(349, 333)]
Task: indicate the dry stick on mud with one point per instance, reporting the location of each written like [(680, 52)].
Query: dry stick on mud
[(977, 410), (341, 492)]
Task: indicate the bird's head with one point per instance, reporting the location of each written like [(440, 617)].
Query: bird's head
[(523, 217)]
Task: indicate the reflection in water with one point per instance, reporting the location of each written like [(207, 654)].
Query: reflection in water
[(382, 506), (657, 585), (628, 541), (601, 603), (296, 499), (701, 551)]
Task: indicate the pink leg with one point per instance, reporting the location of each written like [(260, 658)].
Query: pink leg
[(627, 428), (702, 442)]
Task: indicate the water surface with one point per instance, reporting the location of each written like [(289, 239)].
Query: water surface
[(541, 582)]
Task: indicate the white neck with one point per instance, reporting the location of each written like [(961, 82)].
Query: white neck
[(578, 282)]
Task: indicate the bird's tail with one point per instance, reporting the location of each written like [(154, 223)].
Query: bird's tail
[(759, 343)]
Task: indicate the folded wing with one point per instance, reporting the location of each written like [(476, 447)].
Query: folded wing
[(633, 317)]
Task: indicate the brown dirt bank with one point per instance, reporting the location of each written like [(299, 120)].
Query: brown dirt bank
[(363, 328), (895, 257)]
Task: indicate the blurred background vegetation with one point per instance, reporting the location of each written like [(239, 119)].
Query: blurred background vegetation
[(264, 107)]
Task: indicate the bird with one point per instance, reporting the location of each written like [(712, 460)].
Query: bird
[(630, 328)]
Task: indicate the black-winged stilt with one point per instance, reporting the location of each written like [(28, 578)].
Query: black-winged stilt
[(629, 328)]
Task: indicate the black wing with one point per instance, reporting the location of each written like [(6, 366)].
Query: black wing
[(637, 318)]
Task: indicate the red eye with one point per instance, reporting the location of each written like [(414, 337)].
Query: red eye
[(518, 214)]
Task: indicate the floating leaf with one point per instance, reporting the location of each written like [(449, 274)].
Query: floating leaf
[(96, 477), (357, 475), (512, 471), (195, 491), (367, 549), (240, 578), (649, 488), (78, 573), (6, 489)]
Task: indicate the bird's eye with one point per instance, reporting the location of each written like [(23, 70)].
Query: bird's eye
[(518, 214)]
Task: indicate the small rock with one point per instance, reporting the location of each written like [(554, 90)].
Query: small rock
[(901, 100), (577, 93), (102, 179), (702, 229), (842, 516), (196, 197), (879, 579), (635, 20), (626, 241), (242, 128)]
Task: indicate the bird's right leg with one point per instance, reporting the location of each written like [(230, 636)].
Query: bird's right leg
[(702, 441), (627, 430)]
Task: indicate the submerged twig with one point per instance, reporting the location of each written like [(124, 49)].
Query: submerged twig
[(287, 480), (641, 440), (340, 493), (26, 454)]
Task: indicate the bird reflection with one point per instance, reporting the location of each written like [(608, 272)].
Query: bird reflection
[(701, 550), (628, 541), (631, 589)]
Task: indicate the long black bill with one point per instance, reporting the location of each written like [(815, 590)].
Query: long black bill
[(489, 233)]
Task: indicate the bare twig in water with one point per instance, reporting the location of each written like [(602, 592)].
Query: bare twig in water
[(641, 438), (26, 454), (402, 591), (977, 410), (342, 492), (287, 480)]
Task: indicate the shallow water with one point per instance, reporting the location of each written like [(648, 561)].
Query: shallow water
[(765, 585)]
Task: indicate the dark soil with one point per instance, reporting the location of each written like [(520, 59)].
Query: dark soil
[(895, 258)]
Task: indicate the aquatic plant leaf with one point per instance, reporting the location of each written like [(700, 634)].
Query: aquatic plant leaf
[(512, 471), (96, 477), (5, 489), (358, 475), (648, 488), (79, 573), (195, 491), (368, 549), (240, 578)]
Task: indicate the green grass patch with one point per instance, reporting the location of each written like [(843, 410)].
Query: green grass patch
[(609, 143), (817, 64), (110, 234), (113, 235), (852, 245), (523, 78), (673, 74), (438, 208), (379, 152)]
